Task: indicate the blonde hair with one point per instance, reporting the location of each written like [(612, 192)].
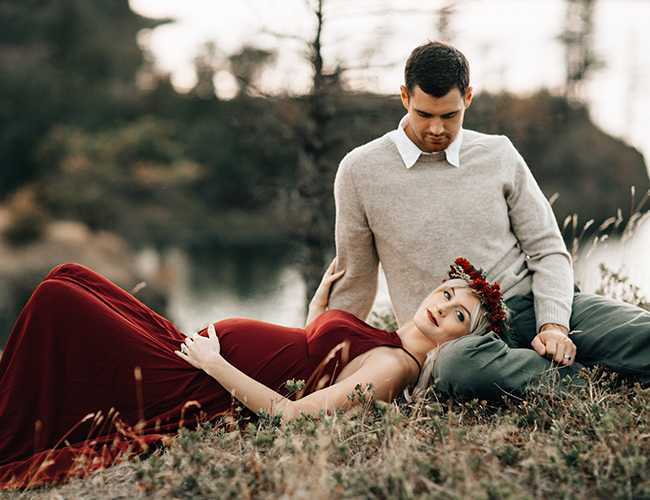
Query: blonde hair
[(478, 326)]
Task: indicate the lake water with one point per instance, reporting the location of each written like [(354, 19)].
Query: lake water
[(265, 283), (256, 283), (262, 283), (207, 285)]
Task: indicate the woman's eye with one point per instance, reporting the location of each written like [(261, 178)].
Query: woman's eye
[(460, 316), (447, 295)]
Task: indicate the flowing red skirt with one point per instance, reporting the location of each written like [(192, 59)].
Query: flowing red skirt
[(89, 373)]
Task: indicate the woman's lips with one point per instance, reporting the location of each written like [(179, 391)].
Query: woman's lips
[(432, 318)]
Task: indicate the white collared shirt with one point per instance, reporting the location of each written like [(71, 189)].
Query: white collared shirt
[(410, 152)]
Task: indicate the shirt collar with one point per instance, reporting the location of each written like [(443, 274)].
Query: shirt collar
[(410, 152)]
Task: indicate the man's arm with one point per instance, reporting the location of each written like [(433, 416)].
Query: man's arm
[(534, 224), (355, 249)]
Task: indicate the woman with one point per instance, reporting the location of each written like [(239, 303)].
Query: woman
[(89, 373)]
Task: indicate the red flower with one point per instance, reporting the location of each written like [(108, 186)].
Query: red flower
[(481, 287), (475, 275), (489, 295)]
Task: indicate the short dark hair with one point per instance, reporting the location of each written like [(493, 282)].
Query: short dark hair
[(436, 68)]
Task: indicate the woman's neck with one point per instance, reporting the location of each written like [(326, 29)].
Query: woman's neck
[(414, 341)]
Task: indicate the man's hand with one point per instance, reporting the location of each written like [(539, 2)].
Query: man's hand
[(553, 342)]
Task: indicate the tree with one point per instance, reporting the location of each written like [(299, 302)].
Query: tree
[(332, 121), (206, 65), (315, 169), (247, 67), (62, 61), (443, 25), (579, 56)]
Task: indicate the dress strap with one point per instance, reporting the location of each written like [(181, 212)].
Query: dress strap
[(413, 357)]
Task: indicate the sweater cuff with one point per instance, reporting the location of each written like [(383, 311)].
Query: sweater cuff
[(552, 313)]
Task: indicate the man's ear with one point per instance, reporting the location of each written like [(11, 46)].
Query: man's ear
[(405, 96), (468, 97)]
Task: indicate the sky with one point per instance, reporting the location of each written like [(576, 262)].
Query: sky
[(511, 45)]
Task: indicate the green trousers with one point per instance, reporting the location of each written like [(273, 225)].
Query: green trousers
[(607, 332)]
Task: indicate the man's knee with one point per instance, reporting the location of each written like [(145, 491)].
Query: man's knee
[(465, 368), (486, 368)]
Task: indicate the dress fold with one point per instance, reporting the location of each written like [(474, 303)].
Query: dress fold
[(89, 374)]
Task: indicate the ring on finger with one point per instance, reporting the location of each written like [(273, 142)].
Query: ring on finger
[(567, 357)]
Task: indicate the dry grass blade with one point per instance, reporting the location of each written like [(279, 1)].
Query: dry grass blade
[(591, 444)]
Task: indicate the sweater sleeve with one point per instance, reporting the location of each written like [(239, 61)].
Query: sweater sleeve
[(534, 225), (355, 249)]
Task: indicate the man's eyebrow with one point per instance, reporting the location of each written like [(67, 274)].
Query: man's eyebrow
[(429, 114), (461, 305)]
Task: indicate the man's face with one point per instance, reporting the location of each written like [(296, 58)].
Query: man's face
[(434, 122)]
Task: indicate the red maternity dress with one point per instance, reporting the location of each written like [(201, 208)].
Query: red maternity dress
[(70, 399)]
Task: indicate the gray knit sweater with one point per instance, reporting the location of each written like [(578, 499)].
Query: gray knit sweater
[(417, 221)]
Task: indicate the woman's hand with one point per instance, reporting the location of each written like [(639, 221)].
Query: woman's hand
[(200, 351), (321, 297)]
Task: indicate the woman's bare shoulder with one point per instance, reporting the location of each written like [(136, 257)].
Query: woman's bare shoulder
[(391, 361)]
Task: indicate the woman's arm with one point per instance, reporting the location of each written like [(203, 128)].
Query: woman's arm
[(318, 304), (386, 372)]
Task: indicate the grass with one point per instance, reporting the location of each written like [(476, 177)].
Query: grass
[(593, 444)]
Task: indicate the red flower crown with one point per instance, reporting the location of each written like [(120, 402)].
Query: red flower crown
[(489, 295)]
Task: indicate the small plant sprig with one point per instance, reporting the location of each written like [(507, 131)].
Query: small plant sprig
[(293, 386), (384, 320)]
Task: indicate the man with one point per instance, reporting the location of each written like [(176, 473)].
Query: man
[(430, 191)]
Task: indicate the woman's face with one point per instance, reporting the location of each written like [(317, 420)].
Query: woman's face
[(446, 314)]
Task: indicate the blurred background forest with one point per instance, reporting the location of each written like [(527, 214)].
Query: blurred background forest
[(104, 162)]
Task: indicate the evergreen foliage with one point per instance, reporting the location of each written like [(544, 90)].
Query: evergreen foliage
[(70, 61), (68, 97)]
